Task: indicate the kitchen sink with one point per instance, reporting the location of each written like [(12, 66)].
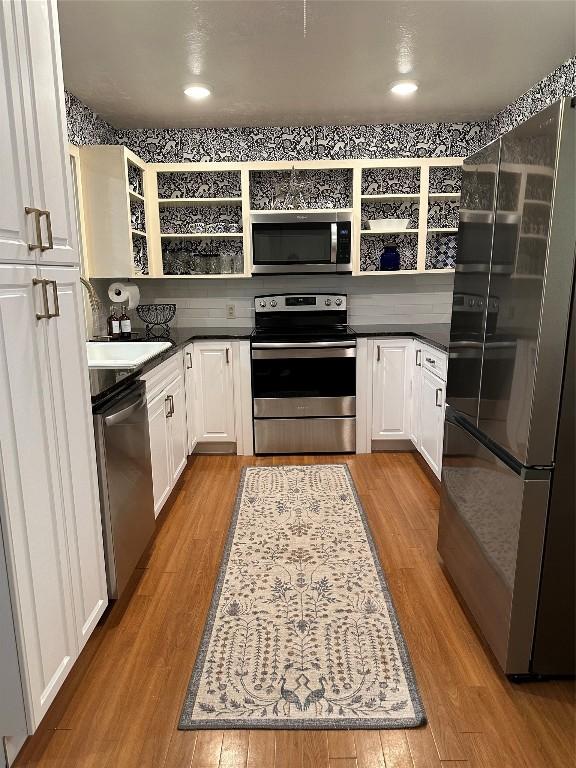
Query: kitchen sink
[(122, 354)]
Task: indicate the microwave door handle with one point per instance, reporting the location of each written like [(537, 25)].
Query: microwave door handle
[(333, 242)]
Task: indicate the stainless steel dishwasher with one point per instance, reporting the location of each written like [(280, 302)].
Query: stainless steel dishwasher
[(125, 480)]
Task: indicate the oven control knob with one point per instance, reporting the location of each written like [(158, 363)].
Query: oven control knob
[(338, 302), (262, 303), (273, 303), (328, 302)]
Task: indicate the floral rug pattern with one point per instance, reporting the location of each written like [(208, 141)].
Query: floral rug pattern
[(302, 632)]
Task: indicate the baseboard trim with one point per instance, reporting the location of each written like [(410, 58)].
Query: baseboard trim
[(423, 464)]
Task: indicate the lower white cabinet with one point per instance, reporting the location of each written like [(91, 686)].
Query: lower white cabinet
[(190, 386), (416, 393), (391, 376), (167, 426), (214, 412), (48, 488), (432, 396)]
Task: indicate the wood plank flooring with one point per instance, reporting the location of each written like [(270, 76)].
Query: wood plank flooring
[(121, 705)]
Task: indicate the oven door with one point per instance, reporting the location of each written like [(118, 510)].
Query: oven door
[(304, 397)]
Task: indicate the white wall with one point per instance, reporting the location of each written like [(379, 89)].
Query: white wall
[(409, 299)]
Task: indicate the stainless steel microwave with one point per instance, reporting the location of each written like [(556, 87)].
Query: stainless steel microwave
[(292, 243)]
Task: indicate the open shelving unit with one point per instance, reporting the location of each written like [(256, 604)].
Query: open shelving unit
[(193, 219)]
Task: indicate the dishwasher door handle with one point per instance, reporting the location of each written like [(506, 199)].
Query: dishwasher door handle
[(119, 416)]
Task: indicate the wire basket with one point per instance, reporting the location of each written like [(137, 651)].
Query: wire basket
[(157, 318)]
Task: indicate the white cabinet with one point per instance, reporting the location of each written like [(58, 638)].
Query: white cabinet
[(167, 426), (189, 375), (158, 410), (214, 376), (432, 397), (70, 395), (49, 506), (391, 375), (33, 145), (416, 393)]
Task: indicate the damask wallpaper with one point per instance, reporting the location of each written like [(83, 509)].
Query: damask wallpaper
[(318, 142)]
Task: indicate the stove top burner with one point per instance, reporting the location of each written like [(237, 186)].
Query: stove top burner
[(304, 317)]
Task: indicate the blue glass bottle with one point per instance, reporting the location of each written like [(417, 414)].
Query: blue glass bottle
[(390, 259)]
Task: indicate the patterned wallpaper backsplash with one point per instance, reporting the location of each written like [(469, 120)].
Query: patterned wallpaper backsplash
[(317, 189), (319, 142)]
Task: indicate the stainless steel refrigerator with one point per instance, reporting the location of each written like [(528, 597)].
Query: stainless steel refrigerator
[(506, 533)]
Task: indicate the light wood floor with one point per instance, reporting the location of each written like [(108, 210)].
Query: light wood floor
[(121, 706)]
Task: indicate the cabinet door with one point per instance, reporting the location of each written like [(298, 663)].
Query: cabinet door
[(177, 428), (32, 505), (189, 373), (159, 449), (16, 228), (416, 394), (42, 94), (215, 391), (70, 395), (432, 420), (390, 390)]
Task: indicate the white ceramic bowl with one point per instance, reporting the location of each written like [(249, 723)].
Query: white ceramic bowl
[(388, 225)]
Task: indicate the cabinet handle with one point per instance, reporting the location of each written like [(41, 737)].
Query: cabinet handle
[(419, 358), (43, 283), (189, 356), (227, 356), (50, 245), (167, 400), (378, 353), (431, 360), (54, 285), (171, 399), (439, 392), (37, 213)]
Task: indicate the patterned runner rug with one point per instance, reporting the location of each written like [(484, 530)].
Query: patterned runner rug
[(301, 632)]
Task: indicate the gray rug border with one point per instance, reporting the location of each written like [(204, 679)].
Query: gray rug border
[(186, 724)]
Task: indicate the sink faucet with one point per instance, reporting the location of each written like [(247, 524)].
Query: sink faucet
[(95, 306)]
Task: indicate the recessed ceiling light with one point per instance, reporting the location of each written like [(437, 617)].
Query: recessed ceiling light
[(197, 92), (404, 88)]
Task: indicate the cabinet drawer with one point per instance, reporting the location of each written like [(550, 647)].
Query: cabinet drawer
[(434, 361)]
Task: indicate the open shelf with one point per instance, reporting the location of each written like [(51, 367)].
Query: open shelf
[(184, 201), (443, 229), (382, 232), (445, 195), (138, 233), (205, 235), (136, 196), (391, 196), (369, 272), (271, 211)]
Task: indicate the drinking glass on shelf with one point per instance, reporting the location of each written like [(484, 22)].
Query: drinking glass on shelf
[(214, 261)]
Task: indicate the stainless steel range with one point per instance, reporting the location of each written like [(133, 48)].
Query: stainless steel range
[(303, 374)]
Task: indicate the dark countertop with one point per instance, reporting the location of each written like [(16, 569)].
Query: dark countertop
[(107, 382), (435, 334)]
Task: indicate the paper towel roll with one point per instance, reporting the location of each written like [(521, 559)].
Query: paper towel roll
[(124, 293)]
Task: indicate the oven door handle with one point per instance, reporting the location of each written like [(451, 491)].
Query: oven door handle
[(302, 352), (303, 345)]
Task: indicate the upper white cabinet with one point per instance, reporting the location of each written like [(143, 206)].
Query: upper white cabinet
[(392, 366), (36, 215), (214, 403), (118, 219), (432, 420)]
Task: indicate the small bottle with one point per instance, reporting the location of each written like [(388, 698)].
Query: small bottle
[(113, 323), (125, 324)]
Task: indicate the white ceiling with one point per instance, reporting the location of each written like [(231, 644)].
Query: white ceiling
[(130, 59)]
